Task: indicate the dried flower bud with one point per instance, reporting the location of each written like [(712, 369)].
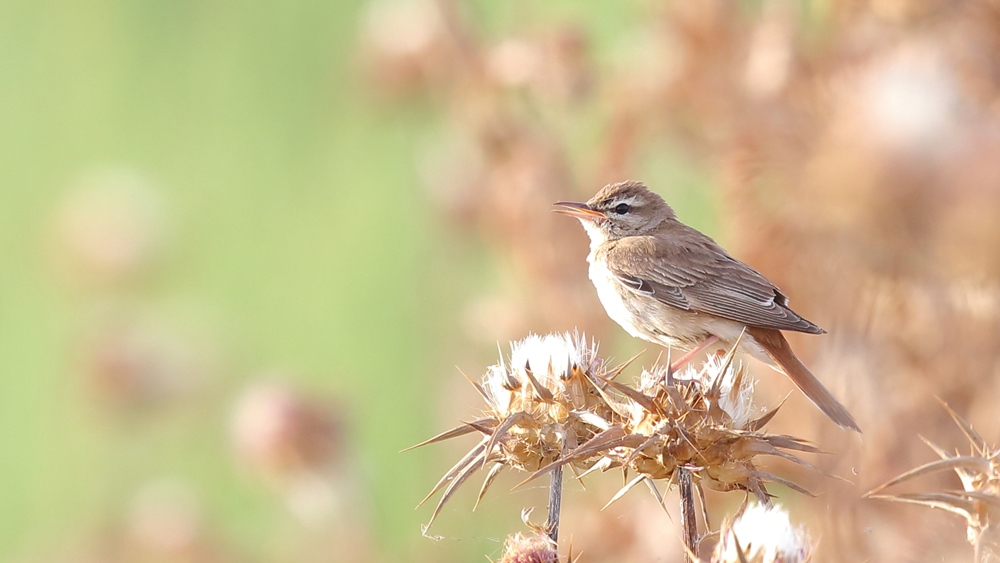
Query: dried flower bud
[(540, 404), (762, 534), (282, 435), (529, 548), (110, 227), (133, 362)]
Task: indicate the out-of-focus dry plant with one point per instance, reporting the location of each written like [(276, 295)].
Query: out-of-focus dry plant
[(496, 164), (280, 433), (555, 404), (162, 523), (109, 228), (137, 351), (855, 146), (106, 234), (165, 523), (978, 501), (297, 445), (859, 176), (134, 362)]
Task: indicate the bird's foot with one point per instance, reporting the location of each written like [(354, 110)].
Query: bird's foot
[(674, 366)]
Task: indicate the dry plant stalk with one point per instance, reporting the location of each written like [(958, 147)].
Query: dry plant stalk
[(978, 501), (555, 404), (689, 522)]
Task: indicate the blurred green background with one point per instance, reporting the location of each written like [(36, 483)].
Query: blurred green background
[(281, 230), (244, 246)]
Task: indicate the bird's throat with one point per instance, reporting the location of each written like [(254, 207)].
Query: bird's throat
[(596, 233)]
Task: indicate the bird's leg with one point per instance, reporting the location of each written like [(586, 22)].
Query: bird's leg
[(687, 357)]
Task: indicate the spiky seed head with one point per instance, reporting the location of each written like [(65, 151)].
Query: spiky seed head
[(529, 548), (978, 502), (554, 403), (540, 404), (702, 421), (536, 398), (735, 390), (762, 534)]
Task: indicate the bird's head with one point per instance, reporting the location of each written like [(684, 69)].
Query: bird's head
[(619, 210)]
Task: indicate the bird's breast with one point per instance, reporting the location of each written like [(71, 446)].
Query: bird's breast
[(644, 316), (611, 294)]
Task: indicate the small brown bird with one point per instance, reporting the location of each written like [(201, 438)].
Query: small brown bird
[(668, 283)]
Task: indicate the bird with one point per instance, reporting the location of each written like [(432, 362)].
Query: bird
[(668, 283)]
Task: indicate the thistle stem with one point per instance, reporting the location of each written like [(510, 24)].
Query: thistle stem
[(689, 522), (555, 504)]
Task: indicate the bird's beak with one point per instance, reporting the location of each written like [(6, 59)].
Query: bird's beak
[(578, 210)]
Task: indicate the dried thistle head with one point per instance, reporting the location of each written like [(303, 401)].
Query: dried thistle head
[(529, 548), (762, 534), (978, 501), (540, 404), (542, 399), (555, 404), (700, 419), (735, 390)]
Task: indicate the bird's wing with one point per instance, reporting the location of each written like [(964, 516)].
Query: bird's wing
[(700, 276), (670, 294)]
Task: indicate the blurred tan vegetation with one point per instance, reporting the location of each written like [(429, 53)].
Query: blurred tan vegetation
[(245, 246), (849, 147)]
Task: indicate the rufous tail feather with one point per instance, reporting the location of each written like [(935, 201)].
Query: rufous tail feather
[(774, 343)]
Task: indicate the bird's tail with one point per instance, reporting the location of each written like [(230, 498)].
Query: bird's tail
[(774, 343)]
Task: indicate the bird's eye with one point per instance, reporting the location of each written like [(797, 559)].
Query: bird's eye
[(622, 208)]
